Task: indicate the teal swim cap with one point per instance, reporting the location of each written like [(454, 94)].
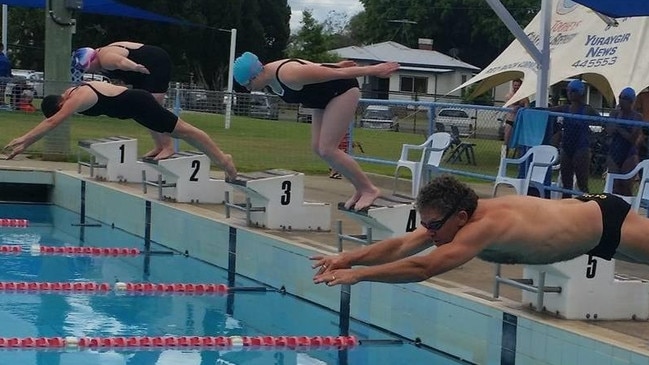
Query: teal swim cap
[(246, 67)]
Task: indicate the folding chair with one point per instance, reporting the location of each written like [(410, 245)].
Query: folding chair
[(643, 189), (460, 148), (542, 158), (431, 156)]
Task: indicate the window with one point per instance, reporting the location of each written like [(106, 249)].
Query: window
[(414, 84)]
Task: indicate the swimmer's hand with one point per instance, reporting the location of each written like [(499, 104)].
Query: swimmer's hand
[(16, 146), (384, 69), (141, 69), (328, 263)]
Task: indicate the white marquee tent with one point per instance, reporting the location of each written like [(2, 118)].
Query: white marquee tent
[(582, 45)]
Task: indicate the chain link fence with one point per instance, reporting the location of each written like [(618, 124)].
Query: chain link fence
[(381, 127)]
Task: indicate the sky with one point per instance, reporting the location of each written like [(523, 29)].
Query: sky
[(320, 9)]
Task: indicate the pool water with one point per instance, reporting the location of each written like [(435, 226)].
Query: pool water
[(33, 314)]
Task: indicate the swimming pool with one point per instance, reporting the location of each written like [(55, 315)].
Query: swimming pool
[(48, 314), (464, 323)]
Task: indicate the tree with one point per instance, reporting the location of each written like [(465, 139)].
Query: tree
[(311, 42), (200, 53), (469, 26), (27, 37)]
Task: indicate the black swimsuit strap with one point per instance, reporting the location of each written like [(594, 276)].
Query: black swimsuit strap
[(280, 66)]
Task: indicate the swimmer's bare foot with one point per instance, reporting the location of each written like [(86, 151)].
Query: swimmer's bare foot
[(164, 153), (367, 199), (350, 203), (154, 152)]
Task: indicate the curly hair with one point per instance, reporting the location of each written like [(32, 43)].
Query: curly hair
[(445, 193)]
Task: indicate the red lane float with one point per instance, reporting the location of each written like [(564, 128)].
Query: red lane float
[(146, 288), (37, 249), (162, 342), (87, 251), (13, 222), (7, 249)]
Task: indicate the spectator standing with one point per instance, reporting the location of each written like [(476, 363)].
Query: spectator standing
[(623, 152), (641, 105), (575, 139), (5, 71)]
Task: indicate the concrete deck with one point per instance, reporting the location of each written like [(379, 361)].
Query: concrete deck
[(474, 278)]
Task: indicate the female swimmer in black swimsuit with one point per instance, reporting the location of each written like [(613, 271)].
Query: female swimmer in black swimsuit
[(332, 92), (101, 98)]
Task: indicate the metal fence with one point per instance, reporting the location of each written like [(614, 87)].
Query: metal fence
[(478, 129), (381, 127)]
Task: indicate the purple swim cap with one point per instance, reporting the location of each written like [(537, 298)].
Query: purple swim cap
[(81, 59)]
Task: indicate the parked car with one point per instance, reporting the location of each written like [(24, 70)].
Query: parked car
[(95, 77), (379, 117), (304, 116), (263, 106), (26, 80), (456, 117)]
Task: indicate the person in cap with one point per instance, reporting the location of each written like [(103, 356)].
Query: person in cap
[(332, 92), (139, 65), (510, 229), (575, 141), (622, 152), (101, 98)]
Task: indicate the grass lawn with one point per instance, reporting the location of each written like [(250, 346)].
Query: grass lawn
[(255, 144), (260, 144)]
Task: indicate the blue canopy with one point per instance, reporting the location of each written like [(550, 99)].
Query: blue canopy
[(104, 7), (617, 8)]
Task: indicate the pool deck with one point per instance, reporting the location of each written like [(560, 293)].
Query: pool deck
[(474, 278)]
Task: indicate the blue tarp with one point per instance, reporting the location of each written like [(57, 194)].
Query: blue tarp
[(104, 7), (617, 8)]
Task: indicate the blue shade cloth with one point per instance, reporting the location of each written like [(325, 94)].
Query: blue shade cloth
[(530, 128), (617, 8), (104, 7)]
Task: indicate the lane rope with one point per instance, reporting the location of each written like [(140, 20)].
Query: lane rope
[(14, 222), (37, 249), (125, 287), (167, 342)]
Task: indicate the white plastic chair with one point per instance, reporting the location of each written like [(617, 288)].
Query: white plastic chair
[(542, 159), (643, 189), (431, 156)]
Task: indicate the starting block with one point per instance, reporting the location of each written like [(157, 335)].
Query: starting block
[(111, 159), (184, 177), (388, 217), (275, 200), (583, 288)]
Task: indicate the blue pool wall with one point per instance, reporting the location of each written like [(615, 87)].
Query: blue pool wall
[(465, 326)]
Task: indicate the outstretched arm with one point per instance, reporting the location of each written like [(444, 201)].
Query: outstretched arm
[(114, 61), (343, 63), (21, 143), (406, 270), (297, 74), (382, 252)]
